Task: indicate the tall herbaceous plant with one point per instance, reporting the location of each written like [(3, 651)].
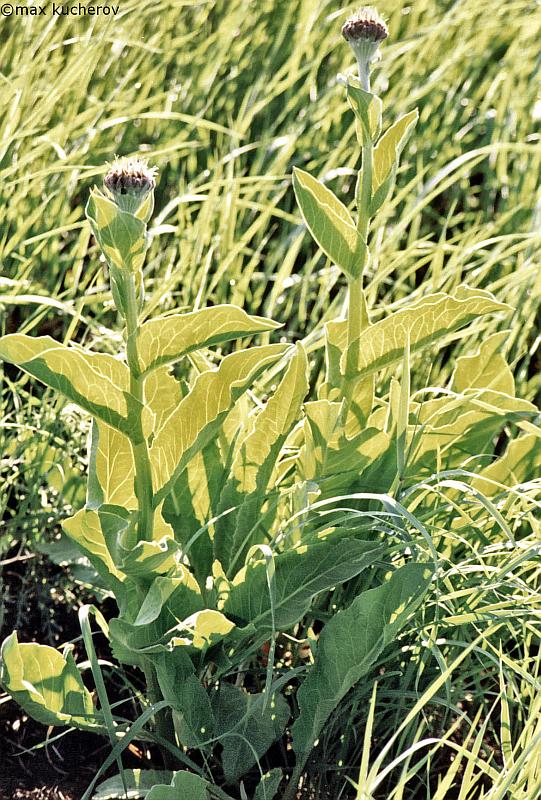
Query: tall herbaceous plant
[(211, 516)]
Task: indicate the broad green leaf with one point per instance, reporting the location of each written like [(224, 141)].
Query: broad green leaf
[(97, 382), (185, 786), (47, 685), (194, 719), (138, 783), (487, 369), (269, 784), (192, 712), (167, 339), (299, 574), (425, 322), (199, 415), (121, 235), (386, 155), (246, 723), (329, 222), (255, 461), (349, 645)]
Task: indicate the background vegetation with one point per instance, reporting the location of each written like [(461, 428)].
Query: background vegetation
[(226, 97)]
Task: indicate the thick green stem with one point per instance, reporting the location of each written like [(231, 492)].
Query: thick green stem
[(357, 318), (143, 473)]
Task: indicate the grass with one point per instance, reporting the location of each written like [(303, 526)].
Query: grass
[(226, 97)]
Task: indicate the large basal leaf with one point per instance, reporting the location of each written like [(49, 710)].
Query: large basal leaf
[(422, 324), (97, 382), (329, 222), (47, 685), (137, 783), (386, 155), (299, 574), (247, 725), (167, 339), (185, 786), (246, 491), (350, 644), (200, 414)]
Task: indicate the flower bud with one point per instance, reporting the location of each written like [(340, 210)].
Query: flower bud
[(364, 31), (131, 182)]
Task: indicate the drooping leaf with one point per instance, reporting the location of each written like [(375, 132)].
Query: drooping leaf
[(299, 574), (185, 786), (199, 415), (164, 340), (425, 322), (386, 155), (329, 222), (247, 726), (349, 645), (47, 685), (246, 491), (138, 783), (85, 529), (97, 382)]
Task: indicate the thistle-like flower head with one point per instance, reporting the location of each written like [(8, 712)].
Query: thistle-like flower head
[(130, 176), (364, 31)]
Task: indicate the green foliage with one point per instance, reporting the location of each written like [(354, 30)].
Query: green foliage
[(244, 535)]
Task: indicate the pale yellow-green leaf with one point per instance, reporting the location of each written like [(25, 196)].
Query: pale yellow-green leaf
[(329, 222), (167, 339), (114, 467), (486, 369), (272, 423), (203, 629), (47, 685), (424, 322), (199, 415), (85, 529), (386, 155), (520, 463), (162, 395), (97, 382), (185, 786)]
